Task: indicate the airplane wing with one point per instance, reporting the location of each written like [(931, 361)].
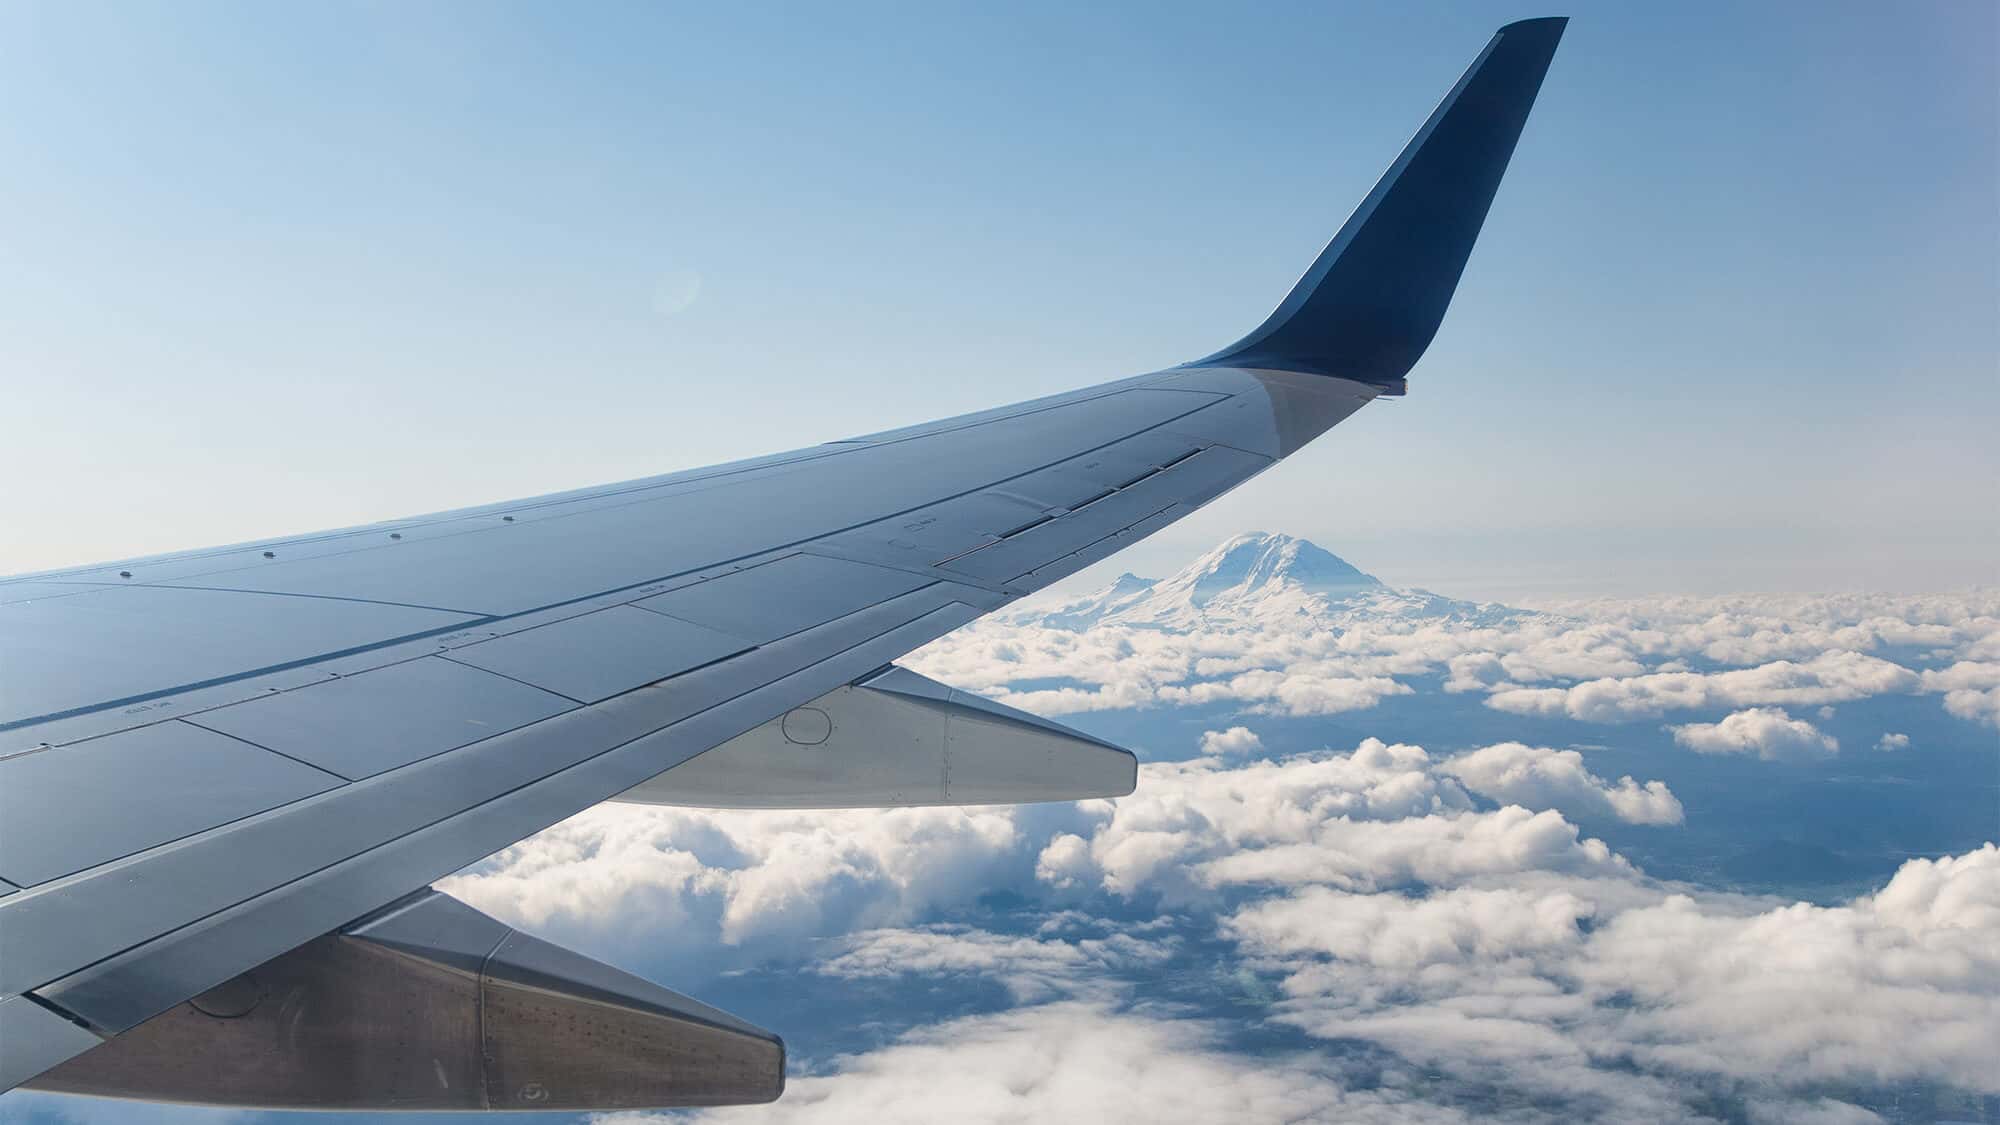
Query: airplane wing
[(228, 776)]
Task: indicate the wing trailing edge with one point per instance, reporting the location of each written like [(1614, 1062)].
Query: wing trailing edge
[(430, 1005), (1374, 298)]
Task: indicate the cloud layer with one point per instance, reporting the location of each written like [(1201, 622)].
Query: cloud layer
[(1543, 778), (1405, 935), (1446, 914), (1281, 649), (1077, 1061)]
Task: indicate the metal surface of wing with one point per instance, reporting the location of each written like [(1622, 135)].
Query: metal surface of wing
[(210, 759), (893, 740), (431, 1005)]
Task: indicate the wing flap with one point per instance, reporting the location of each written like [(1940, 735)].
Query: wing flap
[(431, 1005)]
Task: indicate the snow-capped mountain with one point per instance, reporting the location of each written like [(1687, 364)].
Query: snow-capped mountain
[(1253, 578)]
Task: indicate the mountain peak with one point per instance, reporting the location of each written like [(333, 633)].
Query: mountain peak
[(1256, 577), (1245, 563)]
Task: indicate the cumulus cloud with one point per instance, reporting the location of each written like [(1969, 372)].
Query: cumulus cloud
[(1427, 849), (1065, 862), (1747, 629), (1971, 690), (1322, 688), (1487, 949), (1890, 740), (1405, 933), (1541, 778), (1901, 984), (1592, 995), (1031, 967), (732, 877), (1287, 652), (1560, 986), (1810, 1111), (1077, 1061), (1235, 740), (1443, 918), (1382, 815), (1833, 677), (1767, 732)]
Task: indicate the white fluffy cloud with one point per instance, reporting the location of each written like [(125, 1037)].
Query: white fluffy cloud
[(1833, 677), (737, 876), (1971, 690), (1598, 661), (1077, 1061), (1901, 984), (1541, 778), (1749, 629), (1408, 933), (1235, 740), (1598, 996), (1561, 985), (1890, 740), (1767, 732), (1484, 948), (1381, 816), (1032, 967)]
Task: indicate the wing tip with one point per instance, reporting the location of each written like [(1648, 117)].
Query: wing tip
[(1374, 298), (1539, 23)]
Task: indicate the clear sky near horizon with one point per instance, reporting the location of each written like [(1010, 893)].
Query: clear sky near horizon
[(269, 269)]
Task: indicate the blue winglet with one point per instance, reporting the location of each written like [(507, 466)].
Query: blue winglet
[(1373, 300)]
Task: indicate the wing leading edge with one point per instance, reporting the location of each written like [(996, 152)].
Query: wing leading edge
[(288, 735)]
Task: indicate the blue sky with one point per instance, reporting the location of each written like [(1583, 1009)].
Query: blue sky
[(276, 268)]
